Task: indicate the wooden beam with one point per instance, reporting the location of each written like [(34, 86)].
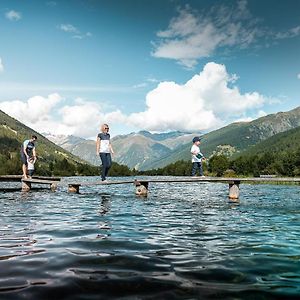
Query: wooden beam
[(8, 178), (26, 183), (51, 178), (142, 186)]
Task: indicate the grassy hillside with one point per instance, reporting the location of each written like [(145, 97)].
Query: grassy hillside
[(52, 159), (287, 141), (236, 137), (279, 155)]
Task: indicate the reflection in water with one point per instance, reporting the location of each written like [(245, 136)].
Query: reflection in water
[(105, 204), (183, 242), (104, 224), (234, 204)]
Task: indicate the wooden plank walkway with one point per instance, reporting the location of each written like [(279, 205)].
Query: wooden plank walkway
[(74, 187), (223, 179), (26, 183), (142, 185), (8, 178)]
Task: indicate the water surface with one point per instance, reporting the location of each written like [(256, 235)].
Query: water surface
[(184, 241)]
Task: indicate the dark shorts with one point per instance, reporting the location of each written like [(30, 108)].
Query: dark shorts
[(23, 158)]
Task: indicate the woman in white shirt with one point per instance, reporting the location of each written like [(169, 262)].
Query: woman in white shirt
[(104, 150)]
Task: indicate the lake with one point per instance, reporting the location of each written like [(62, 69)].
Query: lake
[(184, 241)]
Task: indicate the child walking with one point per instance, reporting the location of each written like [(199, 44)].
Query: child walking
[(197, 157)]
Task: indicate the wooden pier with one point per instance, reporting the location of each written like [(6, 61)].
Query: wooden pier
[(142, 185), (74, 187), (8, 178), (26, 183)]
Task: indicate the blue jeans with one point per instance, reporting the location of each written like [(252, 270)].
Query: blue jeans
[(106, 164), (197, 165)]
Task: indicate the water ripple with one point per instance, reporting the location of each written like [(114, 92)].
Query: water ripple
[(182, 242)]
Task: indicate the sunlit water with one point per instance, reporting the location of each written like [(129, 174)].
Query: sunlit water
[(184, 241)]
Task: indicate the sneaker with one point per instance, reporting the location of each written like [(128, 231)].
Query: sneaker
[(104, 181)]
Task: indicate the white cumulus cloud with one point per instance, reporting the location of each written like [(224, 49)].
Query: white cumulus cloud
[(298, 76), (81, 118), (13, 15), (33, 112), (206, 101), (48, 114)]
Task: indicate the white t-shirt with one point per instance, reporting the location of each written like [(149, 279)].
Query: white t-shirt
[(196, 150), (104, 142)]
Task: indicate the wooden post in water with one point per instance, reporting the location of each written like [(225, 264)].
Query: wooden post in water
[(141, 188), (73, 188), (53, 186), (26, 186), (234, 190)]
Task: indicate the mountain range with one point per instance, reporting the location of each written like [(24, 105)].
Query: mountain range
[(237, 137), (145, 150), (136, 150), (85, 149)]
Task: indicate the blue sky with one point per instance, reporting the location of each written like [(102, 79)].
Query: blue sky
[(68, 66)]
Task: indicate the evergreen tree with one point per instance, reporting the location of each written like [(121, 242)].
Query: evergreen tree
[(218, 164)]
